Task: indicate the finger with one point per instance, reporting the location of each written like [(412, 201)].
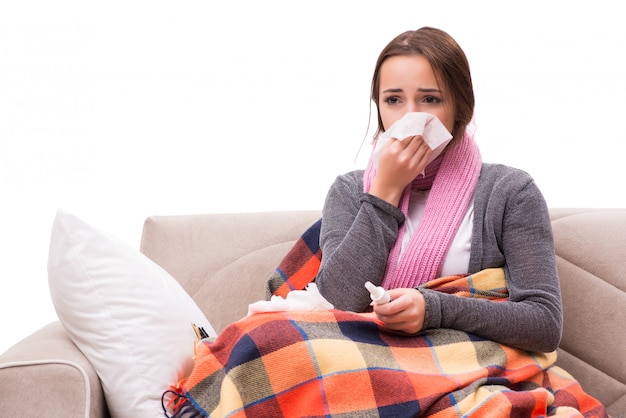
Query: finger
[(412, 141), (418, 155), (395, 324), (416, 145)]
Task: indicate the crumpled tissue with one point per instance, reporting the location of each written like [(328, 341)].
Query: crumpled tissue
[(309, 299), (428, 125)]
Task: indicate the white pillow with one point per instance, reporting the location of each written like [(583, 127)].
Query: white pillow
[(127, 315)]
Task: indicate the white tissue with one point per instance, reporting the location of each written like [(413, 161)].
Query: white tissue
[(309, 299), (428, 125)]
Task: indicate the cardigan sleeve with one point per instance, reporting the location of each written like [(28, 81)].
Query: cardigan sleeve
[(512, 229), (358, 231)]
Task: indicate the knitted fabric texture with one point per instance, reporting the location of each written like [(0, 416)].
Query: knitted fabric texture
[(455, 179)]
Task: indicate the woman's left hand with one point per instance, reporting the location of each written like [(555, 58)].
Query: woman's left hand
[(405, 312)]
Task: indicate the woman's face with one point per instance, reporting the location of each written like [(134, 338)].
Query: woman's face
[(408, 84)]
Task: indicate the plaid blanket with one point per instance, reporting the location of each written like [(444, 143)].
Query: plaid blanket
[(299, 267), (345, 364)]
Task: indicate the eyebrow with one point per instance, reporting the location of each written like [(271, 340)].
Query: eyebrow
[(433, 90)]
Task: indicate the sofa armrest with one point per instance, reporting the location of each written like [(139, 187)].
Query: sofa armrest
[(45, 373)]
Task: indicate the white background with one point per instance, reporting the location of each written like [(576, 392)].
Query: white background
[(119, 110)]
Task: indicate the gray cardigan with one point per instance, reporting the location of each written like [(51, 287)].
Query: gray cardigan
[(511, 229)]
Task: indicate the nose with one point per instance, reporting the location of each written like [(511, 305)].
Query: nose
[(412, 107)]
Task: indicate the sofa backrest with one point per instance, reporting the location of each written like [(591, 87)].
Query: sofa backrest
[(224, 260), (590, 247)]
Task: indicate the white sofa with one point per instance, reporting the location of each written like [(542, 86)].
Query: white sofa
[(233, 255)]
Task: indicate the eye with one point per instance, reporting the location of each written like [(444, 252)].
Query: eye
[(392, 100), (432, 100)]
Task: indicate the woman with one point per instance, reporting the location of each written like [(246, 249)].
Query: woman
[(396, 227)]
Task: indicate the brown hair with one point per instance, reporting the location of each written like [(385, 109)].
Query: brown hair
[(448, 62)]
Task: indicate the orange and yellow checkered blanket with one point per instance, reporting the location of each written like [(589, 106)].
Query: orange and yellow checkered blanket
[(345, 364)]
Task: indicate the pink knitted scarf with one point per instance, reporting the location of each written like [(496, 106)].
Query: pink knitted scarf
[(453, 176)]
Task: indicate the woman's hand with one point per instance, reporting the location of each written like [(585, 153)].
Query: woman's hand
[(405, 312), (400, 162)]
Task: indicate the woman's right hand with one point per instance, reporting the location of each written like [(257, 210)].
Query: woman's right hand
[(400, 162)]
